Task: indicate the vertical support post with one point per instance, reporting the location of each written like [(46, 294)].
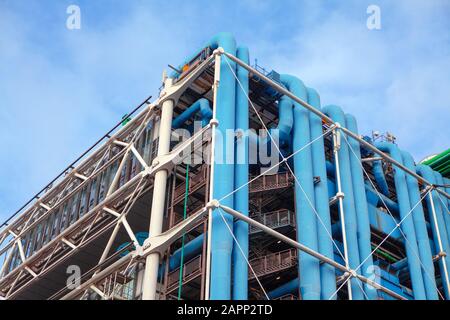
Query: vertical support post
[(441, 247), (340, 195), (139, 280), (159, 196), (214, 124)]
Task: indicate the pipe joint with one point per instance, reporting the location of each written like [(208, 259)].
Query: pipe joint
[(219, 51), (155, 162), (213, 204), (214, 122), (340, 195), (336, 139)]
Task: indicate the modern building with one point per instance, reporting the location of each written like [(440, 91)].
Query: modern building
[(235, 183)]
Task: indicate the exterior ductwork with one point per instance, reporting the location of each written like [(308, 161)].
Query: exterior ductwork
[(351, 226), (337, 216), (304, 193), (408, 223)]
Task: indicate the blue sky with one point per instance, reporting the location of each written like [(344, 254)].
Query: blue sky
[(60, 89)]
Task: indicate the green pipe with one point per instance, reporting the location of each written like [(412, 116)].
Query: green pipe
[(445, 172), (442, 166), (385, 254), (436, 158)]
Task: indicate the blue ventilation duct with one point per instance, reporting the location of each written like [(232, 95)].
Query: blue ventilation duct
[(420, 226), (428, 174), (447, 212), (304, 193), (200, 106), (223, 184), (380, 178), (443, 202), (240, 270), (285, 123), (351, 227), (325, 242), (191, 249), (362, 211), (296, 128), (287, 288), (407, 225)]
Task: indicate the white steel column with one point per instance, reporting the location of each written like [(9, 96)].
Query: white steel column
[(441, 254), (214, 124), (340, 195), (159, 197)]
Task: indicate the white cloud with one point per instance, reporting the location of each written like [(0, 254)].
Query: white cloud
[(395, 79)]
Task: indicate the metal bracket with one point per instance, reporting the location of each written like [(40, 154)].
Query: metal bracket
[(166, 161), (161, 242), (337, 137)]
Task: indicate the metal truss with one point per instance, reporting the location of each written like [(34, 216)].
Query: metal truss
[(109, 212)]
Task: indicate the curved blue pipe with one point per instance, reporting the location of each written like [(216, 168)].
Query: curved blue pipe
[(325, 243), (380, 200), (285, 123), (374, 199), (447, 214), (443, 203), (222, 39), (240, 270), (202, 106), (223, 184), (420, 226), (309, 269), (362, 211), (407, 225), (427, 173), (191, 249), (380, 178), (351, 227), (288, 287)]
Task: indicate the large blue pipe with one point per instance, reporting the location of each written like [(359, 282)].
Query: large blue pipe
[(191, 249), (420, 227), (443, 202), (285, 123), (309, 269), (223, 184), (380, 178), (351, 227), (325, 243), (377, 200), (447, 213), (380, 200), (288, 287), (202, 106), (407, 225), (362, 211), (240, 270), (427, 173)]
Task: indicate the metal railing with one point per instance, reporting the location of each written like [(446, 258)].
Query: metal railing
[(191, 270), (270, 182), (273, 263), (274, 219)]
